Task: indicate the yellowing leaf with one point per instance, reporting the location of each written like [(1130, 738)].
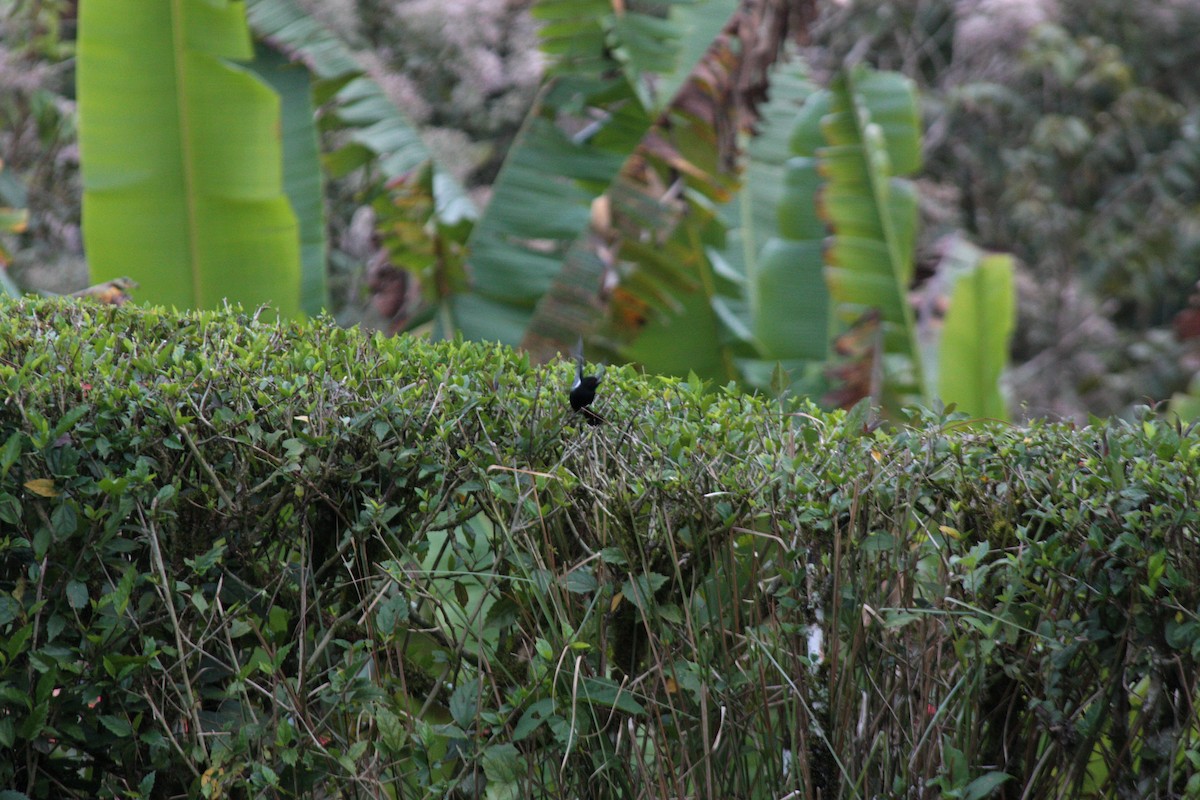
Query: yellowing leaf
[(42, 486)]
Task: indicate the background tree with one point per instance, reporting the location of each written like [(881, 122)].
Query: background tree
[(1062, 132)]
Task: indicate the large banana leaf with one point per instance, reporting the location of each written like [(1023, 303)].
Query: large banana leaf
[(973, 349), (684, 342), (702, 331), (872, 130), (541, 204), (295, 31), (781, 239), (753, 216), (600, 61), (181, 157), (787, 286), (712, 332), (696, 25)]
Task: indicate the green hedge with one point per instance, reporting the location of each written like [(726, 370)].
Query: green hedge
[(242, 558)]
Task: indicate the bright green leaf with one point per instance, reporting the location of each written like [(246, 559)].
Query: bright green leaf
[(183, 188)]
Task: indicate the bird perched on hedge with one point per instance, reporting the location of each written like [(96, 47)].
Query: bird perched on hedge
[(583, 391), (113, 293)]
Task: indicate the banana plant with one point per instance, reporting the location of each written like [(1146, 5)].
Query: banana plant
[(777, 239), (830, 292), (872, 137), (599, 102), (183, 189)]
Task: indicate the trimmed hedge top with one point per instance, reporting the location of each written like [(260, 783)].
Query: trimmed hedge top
[(227, 542), (224, 422)]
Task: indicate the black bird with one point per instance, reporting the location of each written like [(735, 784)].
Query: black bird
[(583, 391)]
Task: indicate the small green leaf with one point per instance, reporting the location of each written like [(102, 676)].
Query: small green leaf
[(55, 626), (64, 520), (204, 563), (390, 613), (10, 453), (532, 719), (504, 767), (395, 735), (10, 508), (41, 543), (464, 703), (8, 735), (580, 581), (984, 785), (604, 692), (640, 591), (878, 542), (68, 421), (77, 594), (35, 723), (613, 556), (16, 642)]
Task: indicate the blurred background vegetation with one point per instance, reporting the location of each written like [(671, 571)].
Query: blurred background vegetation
[(1063, 132)]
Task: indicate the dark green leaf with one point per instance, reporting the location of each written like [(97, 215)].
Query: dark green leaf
[(984, 785), (464, 704), (77, 594), (532, 719), (604, 692), (580, 581), (640, 590)]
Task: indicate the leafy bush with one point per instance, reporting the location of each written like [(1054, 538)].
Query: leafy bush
[(248, 558)]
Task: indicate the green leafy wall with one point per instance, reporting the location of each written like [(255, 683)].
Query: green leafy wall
[(241, 557)]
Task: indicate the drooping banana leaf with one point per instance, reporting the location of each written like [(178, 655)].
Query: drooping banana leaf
[(785, 239), (601, 63), (672, 263), (872, 132), (972, 351), (696, 25), (703, 331), (181, 156), (541, 204), (753, 216)]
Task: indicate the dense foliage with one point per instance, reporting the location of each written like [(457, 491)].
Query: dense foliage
[(241, 557), (1063, 132)]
